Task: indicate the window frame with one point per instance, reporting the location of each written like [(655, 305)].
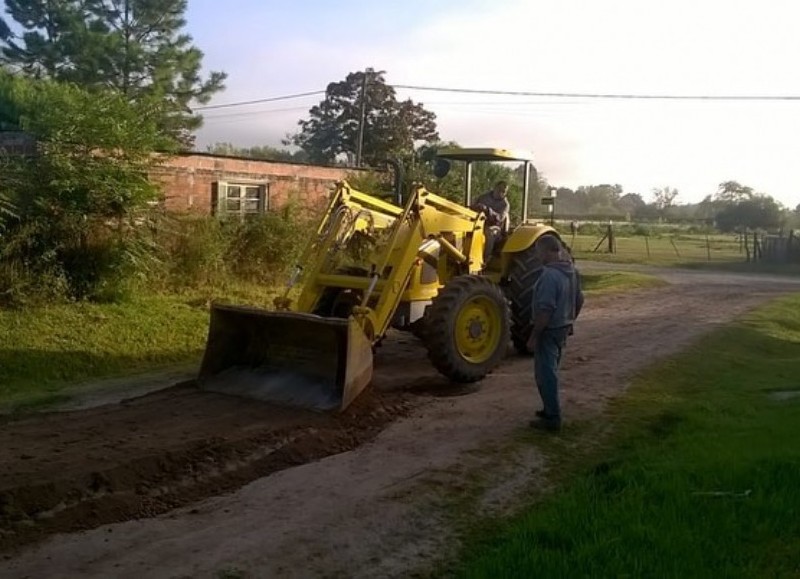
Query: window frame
[(222, 198)]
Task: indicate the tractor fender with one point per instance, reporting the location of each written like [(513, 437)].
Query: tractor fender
[(525, 236)]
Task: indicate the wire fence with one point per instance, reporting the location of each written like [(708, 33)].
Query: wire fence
[(677, 247), (659, 249), (774, 248)]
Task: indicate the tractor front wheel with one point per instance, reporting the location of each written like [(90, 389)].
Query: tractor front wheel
[(467, 328)]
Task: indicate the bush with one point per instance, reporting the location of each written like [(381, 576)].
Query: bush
[(199, 251), (76, 204), (192, 251), (265, 248), (19, 287)]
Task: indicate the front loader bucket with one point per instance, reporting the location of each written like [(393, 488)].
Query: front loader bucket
[(288, 358)]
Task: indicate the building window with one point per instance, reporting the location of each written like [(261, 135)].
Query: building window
[(240, 199)]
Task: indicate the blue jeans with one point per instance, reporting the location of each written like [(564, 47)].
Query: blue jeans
[(547, 359)]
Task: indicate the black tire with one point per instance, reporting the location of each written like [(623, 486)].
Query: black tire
[(525, 269), (441, 320)]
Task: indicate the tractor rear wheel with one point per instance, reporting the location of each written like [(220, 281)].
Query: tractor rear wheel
[(467, 328), (525, 269)]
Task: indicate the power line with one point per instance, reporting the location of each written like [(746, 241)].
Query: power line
[(618, 96), (437, 104), (601, 95), (251, 113), (258, 101)]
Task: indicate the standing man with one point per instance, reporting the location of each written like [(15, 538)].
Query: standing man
[(557, 302), (496, 207)]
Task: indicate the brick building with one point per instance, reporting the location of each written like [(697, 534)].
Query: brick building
[(220, 185), (213, 184)]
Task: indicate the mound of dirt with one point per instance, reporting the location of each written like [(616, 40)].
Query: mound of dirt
[(78, 470)]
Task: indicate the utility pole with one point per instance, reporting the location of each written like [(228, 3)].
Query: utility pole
[(362, 119)]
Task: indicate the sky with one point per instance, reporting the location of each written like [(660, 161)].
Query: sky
[(272, 48)]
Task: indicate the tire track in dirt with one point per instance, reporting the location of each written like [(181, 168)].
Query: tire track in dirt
[(375, 511)]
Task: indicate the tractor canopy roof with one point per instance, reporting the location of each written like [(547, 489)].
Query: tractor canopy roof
[(483, 154)]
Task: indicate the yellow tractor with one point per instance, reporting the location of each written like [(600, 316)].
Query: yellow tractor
[(371, 265)]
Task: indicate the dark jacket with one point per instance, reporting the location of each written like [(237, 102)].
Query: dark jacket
[(558, 291)]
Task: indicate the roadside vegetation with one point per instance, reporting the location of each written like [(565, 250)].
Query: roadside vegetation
[(700, 476)]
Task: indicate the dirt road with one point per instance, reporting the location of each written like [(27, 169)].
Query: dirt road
[(372, 511)]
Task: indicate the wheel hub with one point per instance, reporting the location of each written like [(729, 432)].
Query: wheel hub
[(477, 333), (475, 329)]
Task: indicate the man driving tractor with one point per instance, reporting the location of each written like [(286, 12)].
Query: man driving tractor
[(495, 205)]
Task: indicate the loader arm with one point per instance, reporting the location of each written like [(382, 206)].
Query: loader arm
[(385, 276)]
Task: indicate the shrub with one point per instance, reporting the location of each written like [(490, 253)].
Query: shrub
[(266, 247), (78, 200), (192, 250)]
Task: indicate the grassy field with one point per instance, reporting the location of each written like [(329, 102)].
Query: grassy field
[(665, 250), (614, 281), (47, 350), (700, 478)]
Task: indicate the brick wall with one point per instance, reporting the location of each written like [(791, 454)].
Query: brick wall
[(16, 143), (187, 180)]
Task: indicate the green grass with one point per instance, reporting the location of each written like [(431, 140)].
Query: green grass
[(47, 350), (616, 281), (761, 268), (50, 350), (700, 477)]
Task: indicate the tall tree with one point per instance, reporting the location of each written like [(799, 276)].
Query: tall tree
[(631, 204), (390, 127), (732, 192), (601, 199), (756, 212), (665, 197), (136, 47), (5, 31)]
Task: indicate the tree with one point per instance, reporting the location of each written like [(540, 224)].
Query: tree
[(732, 192), (391, 128), (758, 212), (631, 203), (601, 200), (135, 47), (664, 198), (5, 31)]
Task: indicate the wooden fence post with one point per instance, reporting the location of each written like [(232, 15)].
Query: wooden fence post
[(708, 249), (612, 246), (746, 238), (647, 245), (756, 248)]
